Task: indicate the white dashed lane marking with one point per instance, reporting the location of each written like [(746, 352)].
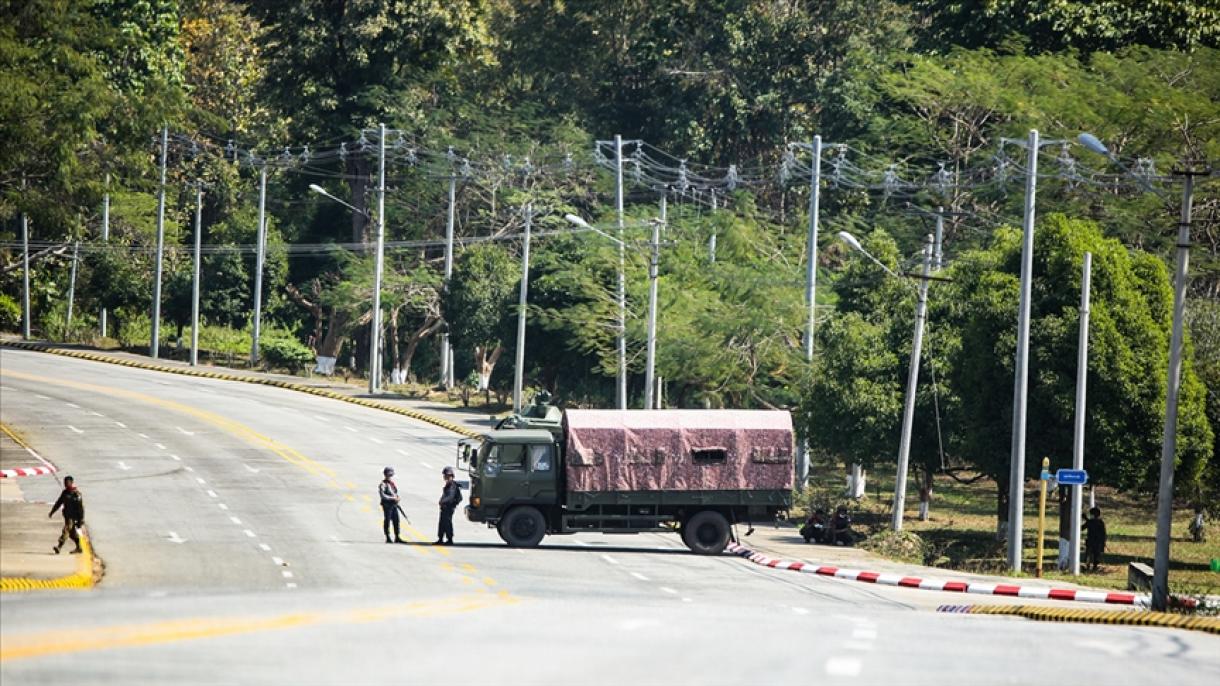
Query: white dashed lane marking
[(248, 533), (213, 494), (639, 576), (669, 590), (351, 429), (176, 458), (278, 561), (160, 446), (75, 429), (376, 440), (609, 559), (222, 506), (188, 433), (265, 547), (73, 405), (235, 520), (121, 425), (843, 666)]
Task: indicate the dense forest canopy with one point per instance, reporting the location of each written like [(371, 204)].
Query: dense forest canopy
[(920, 104)]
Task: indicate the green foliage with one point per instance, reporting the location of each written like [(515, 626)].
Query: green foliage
[(10, 314), (287, 353), (479, 299)]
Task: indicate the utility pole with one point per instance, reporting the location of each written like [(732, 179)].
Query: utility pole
[(375, 345), (105, 238), (25, 273), (811, 276), (519, 374), (711, 241), (446, 353), (940, 237), (908, 408), (1164, 503), (621, 381), (1082, 375), (195, 273), (258, 263), (155, 345), (650, 369), (654, 403), (1016, 485), (71, 289)]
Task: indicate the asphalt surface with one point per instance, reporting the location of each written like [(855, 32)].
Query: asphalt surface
[(241, 538)]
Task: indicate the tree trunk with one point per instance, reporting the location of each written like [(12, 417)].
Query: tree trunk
[(335, 337), (1001, 510), (430, 326), (485, 364), (925, 495)]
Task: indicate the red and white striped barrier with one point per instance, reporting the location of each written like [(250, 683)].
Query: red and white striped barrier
[(25, 471), (979, 587)]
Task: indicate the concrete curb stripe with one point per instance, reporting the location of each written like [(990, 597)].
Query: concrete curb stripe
[(81, 579), (47, 467), (1210, 625), (414, 414), (979, 588), (25, 471)]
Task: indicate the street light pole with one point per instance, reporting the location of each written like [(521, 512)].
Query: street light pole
[(375, 346), (71, 289), (446, 353), (1082, 376), (195, 273), (1016, 485), (25, 273), (621, 382), (105, 237), (908, 408), (155, 344), (1164, 503), (258, 263), (519, 372)]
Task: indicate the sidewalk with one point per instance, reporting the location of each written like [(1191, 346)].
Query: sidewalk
[(26, 533)]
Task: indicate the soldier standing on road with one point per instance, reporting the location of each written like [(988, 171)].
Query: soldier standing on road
[(74, 514), (451, 496), (389, 505)]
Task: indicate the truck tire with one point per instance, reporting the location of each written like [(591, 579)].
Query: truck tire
[(522, 527), (706, 533)]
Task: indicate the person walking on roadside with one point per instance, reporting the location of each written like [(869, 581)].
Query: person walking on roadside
[(388, 492), (73, 505), (451, 496), (1094, 539)]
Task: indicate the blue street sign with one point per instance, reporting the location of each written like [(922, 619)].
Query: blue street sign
[(1072, 477)]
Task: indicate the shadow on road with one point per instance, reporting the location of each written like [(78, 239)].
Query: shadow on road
[(562, 548)]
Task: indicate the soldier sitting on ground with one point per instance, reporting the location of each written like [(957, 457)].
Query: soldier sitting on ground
[(840, 528)]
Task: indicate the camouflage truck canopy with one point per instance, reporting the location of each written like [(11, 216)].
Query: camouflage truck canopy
[(678, 450)]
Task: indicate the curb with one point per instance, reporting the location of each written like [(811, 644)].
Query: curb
[(186, 371), (81, 579), (1209, 625), (982, 588), (25, 471)]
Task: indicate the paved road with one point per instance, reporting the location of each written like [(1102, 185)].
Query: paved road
[(242, 544)]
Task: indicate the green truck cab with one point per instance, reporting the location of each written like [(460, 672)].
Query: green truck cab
[(690, 472)]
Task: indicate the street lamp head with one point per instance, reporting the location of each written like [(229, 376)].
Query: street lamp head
[(318, 189), (850, 240), (1091, 142), (577, 221)]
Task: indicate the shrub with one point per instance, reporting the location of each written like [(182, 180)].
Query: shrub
[(10, 314), (288, 353)]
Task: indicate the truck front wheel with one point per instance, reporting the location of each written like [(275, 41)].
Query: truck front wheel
[(523, 527), (707, 533)]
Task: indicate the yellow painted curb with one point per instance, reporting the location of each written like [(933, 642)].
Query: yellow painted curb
[(1210, 625), (186, 371), (81, 579)]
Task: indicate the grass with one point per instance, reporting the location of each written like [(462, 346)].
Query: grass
[(960, 532)]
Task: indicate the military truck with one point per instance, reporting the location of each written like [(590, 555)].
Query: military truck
[(692, 472)]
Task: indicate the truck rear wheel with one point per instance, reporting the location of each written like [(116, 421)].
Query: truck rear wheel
[(522, 527), (707, 533)]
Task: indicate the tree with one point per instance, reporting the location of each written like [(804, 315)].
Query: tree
[(1129, 333), (478, 304)]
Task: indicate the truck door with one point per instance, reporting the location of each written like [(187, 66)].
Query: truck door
[(542, 471), (512, 475)]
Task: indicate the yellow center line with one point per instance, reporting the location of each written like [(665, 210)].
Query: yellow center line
[(58, 642)]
